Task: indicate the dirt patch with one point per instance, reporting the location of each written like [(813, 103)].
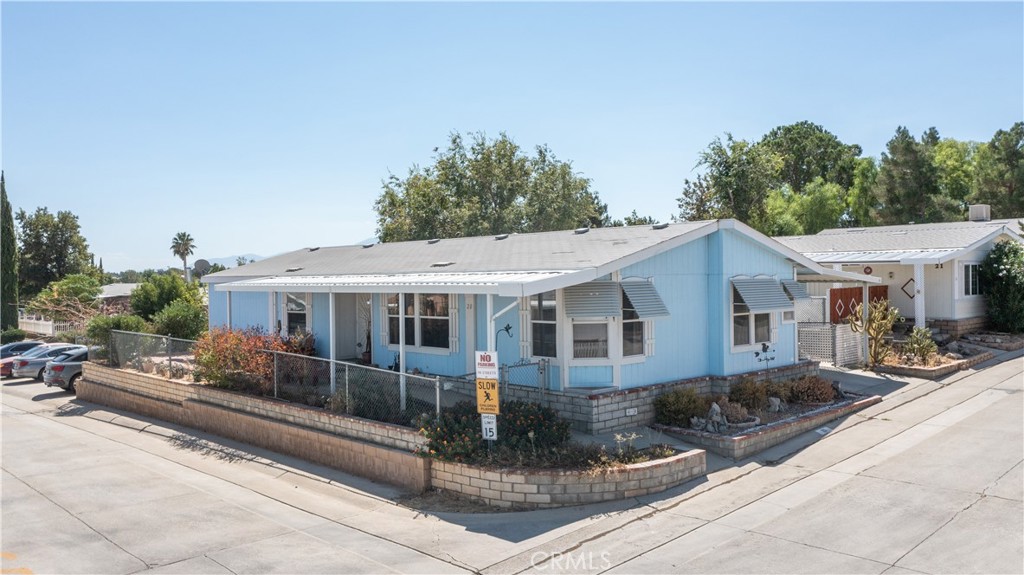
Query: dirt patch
[(439, 501)]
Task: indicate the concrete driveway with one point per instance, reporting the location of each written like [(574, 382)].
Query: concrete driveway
[(928, 481)]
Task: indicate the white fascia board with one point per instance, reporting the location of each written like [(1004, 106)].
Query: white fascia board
[(526, 289), (636, 257), (1005, 230)]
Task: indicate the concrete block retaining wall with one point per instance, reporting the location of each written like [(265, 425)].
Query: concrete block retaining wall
[(606, 412), (379, 451), (538, 489), (958, 327), (933, 372)]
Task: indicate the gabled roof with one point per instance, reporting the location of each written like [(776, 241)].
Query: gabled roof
[(507, 265), (906, 244)]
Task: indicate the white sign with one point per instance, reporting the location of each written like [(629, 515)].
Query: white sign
[(489, 426), (487, 365)]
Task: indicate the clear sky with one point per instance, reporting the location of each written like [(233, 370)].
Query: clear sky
[(267, 127)]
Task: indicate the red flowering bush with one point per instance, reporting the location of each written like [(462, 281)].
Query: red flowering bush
[(240, 359)]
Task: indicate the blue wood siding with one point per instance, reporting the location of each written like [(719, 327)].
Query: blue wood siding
[(590, 376), (218, 309), (321, 324), (250, 309)]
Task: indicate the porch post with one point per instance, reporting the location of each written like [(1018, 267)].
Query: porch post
[(333, 329), (229, 310), (865, 313), (919, 317), (401, 350), (490, 322)]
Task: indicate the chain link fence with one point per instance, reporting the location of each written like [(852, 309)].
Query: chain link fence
[(336, 386)]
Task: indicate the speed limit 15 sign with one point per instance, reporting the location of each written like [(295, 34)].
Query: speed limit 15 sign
[(489, 426)]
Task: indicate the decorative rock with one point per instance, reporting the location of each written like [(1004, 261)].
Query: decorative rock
[(956, 356), (716, 421), (774, 405)]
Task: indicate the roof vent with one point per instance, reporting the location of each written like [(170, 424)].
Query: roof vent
[(441, 264), (314, 249), (980, 213), (659, 226), (578, 231), (433, 240), (292, 269), (501, 237)]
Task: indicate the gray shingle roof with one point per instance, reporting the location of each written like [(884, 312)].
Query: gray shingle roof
[(561, 250), (892, 243)]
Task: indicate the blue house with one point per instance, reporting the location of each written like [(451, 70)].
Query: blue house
[(608, 308)]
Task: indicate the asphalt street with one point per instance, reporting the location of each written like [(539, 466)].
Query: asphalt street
[(927, 481)]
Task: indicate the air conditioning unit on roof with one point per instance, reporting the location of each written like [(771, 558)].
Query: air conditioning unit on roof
[(980, 213)]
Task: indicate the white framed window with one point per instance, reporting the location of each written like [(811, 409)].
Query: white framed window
[(632, 329), (427, 318), (296, 309), (972, 282), (543, 324), (590, 340), (749, 328)]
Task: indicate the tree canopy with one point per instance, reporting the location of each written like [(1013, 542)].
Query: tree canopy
[(52, 247), (8, 263), (183, 246), (158, 291), (486, 187)]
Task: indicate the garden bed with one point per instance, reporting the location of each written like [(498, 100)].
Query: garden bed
[(953, 358), (996, 340), (738, 443)]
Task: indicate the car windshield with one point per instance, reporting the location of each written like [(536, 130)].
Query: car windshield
[(67, 356)]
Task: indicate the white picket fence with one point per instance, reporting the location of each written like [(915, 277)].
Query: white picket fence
[(46, 327)]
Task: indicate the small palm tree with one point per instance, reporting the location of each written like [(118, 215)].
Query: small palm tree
[(183, 246)]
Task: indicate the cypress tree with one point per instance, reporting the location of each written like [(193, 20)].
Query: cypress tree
[(8, 263)]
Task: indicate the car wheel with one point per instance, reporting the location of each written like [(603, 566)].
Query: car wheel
[(71, 384), (39, 376)]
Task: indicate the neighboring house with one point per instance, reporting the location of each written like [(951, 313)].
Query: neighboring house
[(116, 297), (929, 271), (608, 307)]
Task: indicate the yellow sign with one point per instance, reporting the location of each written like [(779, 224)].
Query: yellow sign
[(487, 396)]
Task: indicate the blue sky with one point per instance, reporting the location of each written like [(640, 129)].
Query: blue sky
[(267, 127)]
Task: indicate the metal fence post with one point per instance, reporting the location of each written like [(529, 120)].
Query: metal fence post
[(167, 346), (348, 401), (437, 396), (275, 373)]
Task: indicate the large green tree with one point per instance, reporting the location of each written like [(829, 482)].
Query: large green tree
[(908, 183), (808, 151), (487, 187), (999, 173), (861, 203), (71, 298), (158, 291), (741, 175), (8, 263), (52, 247)]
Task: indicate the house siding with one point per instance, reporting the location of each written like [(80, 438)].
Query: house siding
[(218, 307), (250, 309), (321, 324)]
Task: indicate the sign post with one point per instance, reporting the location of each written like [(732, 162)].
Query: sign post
[(487, 393)]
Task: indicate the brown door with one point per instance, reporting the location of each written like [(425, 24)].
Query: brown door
[(845, 300)]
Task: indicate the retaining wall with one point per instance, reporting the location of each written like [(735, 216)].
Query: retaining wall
[(370, 449), (537, 489), (958, 327)]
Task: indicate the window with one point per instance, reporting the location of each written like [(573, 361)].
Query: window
[(590, 340), (295, 310), (427, 320), (632, 329), (972, 285), (543, 315), (749, 328)]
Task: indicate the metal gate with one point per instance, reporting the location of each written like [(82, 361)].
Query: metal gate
[(526, 374)]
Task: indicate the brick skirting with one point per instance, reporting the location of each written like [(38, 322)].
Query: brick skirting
[(539, 489), (958, 327)]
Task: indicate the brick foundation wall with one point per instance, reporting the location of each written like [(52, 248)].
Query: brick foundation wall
[(959, 327), (370, 449), (538, 489), (606, 412)]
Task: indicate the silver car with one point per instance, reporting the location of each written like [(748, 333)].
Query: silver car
[(65, 369), (33, 363)]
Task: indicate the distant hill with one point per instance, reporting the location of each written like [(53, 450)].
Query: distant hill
[(230, 261)]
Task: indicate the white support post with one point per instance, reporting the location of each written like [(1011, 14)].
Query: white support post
[(490, 323), (333, 354), (919, 313), (401, 350), (865, 315)]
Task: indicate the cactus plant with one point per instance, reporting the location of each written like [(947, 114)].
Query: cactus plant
[(879, 324)]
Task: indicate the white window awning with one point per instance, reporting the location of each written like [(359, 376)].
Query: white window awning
[(593, 300), (762, 294), (795, 289), (645, 299)]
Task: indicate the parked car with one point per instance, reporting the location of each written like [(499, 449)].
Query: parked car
[(65, 369), (32, 364), (17, 348), (8, 362)]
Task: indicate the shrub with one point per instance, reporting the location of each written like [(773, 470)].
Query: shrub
[(527, 433), (812, 389), (750, 394), (159, 291), (780, 389), (182, 319), (1001, 279), (98, 330), (733, 412), (678, 406), (920, 345), (12, 335), (235, 359)]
